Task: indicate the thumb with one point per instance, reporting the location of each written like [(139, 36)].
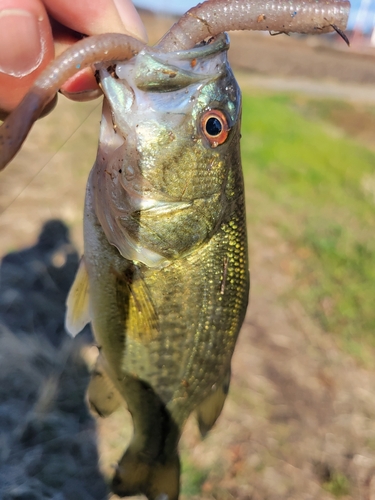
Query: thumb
[(26, 47)]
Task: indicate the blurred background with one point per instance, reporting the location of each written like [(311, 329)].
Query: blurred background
[(299, 419)]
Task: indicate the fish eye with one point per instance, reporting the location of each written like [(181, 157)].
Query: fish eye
[(215, 127)]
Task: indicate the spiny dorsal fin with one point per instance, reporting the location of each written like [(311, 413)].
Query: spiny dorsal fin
[(77, 302)]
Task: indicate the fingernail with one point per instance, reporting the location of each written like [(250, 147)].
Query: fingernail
[(20, 44), (131, 20), (81, 87), (83, 96)]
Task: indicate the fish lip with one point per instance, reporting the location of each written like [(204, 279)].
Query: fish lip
[(175, 60), (219, 43)]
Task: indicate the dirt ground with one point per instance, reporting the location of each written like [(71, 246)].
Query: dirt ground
[(299, 420)]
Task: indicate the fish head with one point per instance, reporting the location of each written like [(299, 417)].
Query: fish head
[(169, 130)]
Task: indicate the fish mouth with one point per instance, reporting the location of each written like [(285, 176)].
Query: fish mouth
[(155, 71)]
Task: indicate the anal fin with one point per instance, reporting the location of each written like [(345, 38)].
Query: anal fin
[(209, 410)]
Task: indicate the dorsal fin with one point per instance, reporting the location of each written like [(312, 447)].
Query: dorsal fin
[(77, 302)]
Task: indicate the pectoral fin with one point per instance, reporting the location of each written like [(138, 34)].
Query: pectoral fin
[(77, 302), (209, 410), (134, 300)]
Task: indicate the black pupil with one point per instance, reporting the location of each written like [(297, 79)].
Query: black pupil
[(213, 126)]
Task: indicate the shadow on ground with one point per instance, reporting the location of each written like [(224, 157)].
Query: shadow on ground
[(47, 437)]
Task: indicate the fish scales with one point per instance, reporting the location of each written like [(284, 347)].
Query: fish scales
[(166, 251)]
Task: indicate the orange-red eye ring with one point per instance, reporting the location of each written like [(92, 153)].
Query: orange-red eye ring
[(215, 128)]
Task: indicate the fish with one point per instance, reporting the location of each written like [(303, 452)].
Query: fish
[(164, 278)]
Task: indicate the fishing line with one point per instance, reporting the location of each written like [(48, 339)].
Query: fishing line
[(49, 160)]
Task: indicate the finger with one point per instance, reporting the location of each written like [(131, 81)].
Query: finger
[(99, 16), (82, 86), (92, 18), (26, 47)]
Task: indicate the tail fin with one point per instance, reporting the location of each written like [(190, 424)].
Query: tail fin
[(151, 464), (209, 410), (158, 480)]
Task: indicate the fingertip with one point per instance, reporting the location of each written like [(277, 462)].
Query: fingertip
[(81, 87), (131, 19), (101, 16)]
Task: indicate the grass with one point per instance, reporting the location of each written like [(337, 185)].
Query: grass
[(193, 477), (338, 485), (311, 178)]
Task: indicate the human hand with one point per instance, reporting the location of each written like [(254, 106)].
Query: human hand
[(32, 32)]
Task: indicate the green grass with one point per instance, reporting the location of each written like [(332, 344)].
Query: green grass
[(338, 485), (310, 179), (193, 477)]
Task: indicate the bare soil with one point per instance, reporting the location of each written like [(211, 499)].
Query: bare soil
[(299, 420)]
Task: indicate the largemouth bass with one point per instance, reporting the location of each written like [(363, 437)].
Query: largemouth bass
[(164, 278)]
